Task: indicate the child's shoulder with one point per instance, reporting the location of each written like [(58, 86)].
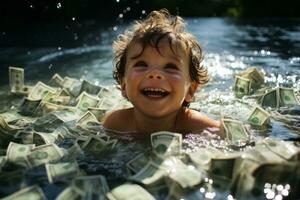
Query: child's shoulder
[(195, 121), (118, 120)]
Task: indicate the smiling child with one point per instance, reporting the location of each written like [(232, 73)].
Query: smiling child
[(158, 66)]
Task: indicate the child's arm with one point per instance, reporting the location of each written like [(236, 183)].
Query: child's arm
[(197, 121)]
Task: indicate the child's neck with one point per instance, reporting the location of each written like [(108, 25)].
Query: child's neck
[(146, 124)]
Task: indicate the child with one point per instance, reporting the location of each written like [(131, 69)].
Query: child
[(158, 66)]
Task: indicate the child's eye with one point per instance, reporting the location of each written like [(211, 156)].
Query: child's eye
[(140, 64), (171, 66)]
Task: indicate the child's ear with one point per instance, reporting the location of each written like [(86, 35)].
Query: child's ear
[(191, 92), (123, 88)]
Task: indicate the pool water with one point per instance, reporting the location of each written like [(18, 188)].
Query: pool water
[(83, 50)]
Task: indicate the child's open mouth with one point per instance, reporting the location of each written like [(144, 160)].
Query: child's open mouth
[(154, 92)]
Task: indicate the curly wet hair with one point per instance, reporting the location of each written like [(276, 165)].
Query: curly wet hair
[(157, 26)]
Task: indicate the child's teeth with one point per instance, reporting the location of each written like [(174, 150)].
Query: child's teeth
[(154, 89)]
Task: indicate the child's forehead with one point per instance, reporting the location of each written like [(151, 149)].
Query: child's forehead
[(163, 46)]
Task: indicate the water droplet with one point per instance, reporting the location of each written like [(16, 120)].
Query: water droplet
[(117, 1), (31, 6), (143, 12), (210, 195), (270, 194), (287, 186), (279, 187), (202, 190), (58, 6), (73, 18), (128, 8), (120, 15), (278, 197), (58, 48), (230, 197), (115, 28), (285, 192)]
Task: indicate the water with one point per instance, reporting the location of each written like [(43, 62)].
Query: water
[(83, 50)]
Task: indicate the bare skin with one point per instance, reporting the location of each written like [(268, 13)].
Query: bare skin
[(157, 84), (183, 121)]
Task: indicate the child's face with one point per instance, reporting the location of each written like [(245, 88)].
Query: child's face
[(157, 84)]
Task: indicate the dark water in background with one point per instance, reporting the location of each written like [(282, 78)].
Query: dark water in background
[(83, 50)]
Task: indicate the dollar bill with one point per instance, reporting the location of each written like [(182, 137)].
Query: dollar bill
[(40, 90), (44, 154), (91, 187), (90, 88), (29, 106), (85, 119), (202, 157), (17, 153), (56, 81), (33, 193), (255, 76), (166, 143), (185, 176), (137, 163), (97, 112), (287, 97), (242, 86), (129, 192), (85, 101), (284, 149), (258, 116), (16, 79), (150, 175), (234, 130), (69, 193), (94, 144), (60, 171)]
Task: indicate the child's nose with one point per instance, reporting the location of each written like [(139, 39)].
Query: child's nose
[(154, 74)]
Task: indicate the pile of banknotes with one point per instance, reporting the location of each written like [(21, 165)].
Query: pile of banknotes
[(58, 124)]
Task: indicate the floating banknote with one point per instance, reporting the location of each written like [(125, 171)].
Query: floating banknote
[(185, 176), (70, 193), (56, 81), (91, 187), (166, 143), (32, 193), (258, 116), (60, 171), (234, 131), (150, 175), (16, 79), (85, 101), (279, 97), (255, 76), (44, 154), (90, 88), (242, 86), (129, 192), (40, 90), (17, 153), (136, 164), (29, 106)]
